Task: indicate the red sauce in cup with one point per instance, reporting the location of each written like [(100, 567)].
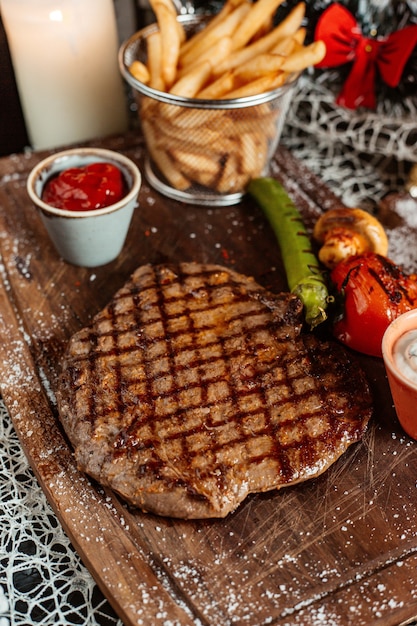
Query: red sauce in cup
[(93, 186)]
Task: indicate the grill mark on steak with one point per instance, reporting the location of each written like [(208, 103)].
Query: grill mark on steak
[(125, 441), (197, 383), (118, 401), (170, 336)]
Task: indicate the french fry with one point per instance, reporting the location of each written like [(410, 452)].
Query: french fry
[(211, 142), (231, 180), (218, 88), (184, 119), (300, 35), (192, 82), (253, 154), (140, 71), (205, 179), (225, 28), (167, 3), (253, 21), (220, 49), (259, 66), (264, 29), (181, 33), (162, 160), (285, 29), (258, 86), (227, 8), (304, 56), (284, 47), (292, 22), (154, 46), (170, 39), (235, 125), (196, 165)]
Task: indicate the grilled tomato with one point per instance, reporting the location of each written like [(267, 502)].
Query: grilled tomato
[(371, 292)]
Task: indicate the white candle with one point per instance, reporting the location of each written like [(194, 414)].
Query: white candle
[(64, 54)]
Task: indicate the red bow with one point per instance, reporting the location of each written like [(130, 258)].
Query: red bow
[(344, 43)]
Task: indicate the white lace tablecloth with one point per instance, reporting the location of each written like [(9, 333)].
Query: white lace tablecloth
[(42, 580)]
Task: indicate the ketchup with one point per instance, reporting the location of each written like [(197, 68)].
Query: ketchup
[(94, 186)]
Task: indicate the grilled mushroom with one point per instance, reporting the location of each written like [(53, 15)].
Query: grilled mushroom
[(346, 232)]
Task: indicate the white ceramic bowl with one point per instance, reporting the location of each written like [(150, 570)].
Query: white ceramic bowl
[(86, 238)]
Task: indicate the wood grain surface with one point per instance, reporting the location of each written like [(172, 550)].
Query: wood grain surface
[(340, 549)]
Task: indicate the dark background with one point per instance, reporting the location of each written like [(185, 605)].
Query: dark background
[(13, 136)]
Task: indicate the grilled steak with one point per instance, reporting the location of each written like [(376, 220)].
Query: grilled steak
[(195, 387)]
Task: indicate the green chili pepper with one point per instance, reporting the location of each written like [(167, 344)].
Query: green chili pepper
[(304, 275)]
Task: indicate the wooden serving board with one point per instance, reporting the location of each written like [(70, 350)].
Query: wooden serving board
[(340, 549)]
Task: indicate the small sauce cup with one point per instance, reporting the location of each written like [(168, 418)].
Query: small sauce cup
[(86, 238), (399, 351)]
